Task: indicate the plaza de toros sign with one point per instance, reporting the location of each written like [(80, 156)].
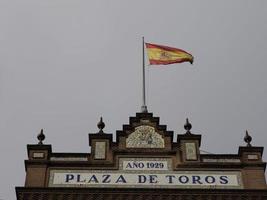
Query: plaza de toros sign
[(145, 173)]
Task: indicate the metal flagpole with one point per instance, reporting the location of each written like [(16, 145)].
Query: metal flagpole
[(144, 107)]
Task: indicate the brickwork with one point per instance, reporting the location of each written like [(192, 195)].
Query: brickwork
[(36, 176), (253, 178), (87, 194)]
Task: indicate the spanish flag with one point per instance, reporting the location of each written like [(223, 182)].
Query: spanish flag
[(163, 55)]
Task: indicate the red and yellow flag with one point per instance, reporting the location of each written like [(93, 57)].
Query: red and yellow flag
[(163, 55)]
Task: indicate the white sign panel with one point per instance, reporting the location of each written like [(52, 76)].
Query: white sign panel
[(145, 165), (190, 151), (100, 150), (162, 179)]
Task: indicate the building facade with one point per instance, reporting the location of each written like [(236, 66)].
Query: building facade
[(144, 163)]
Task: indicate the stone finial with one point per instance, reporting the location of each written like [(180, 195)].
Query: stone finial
[(101, 125), (248, 139), (187, 126), (41, 137)]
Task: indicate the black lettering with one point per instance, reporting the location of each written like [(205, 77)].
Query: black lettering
[(135, 165), (69, 177), (210, 179), (183, 179), (121, 179), (153, 178), (93, 179), (141, 178), (106, 178), (129, 165), (224, 180), (141, 165), (196, 180), (79, 179), (170, 178)]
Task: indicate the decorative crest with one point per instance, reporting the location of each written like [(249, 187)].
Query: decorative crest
[(187, 126), (248, 139), (101, 125), (41, 137)]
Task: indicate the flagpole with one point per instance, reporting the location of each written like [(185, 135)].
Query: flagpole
[(144, 107)]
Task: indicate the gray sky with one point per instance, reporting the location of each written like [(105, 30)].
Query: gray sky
[(65, 63)]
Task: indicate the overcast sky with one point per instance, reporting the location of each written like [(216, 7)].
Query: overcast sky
[(65, 63)]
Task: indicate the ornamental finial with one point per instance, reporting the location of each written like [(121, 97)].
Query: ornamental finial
[(248, 139), (41, 137), (101, 125), (187, 126)]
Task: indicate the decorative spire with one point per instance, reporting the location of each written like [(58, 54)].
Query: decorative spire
[(101, 125), (187, 126), (248, 139), (41, 137)]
